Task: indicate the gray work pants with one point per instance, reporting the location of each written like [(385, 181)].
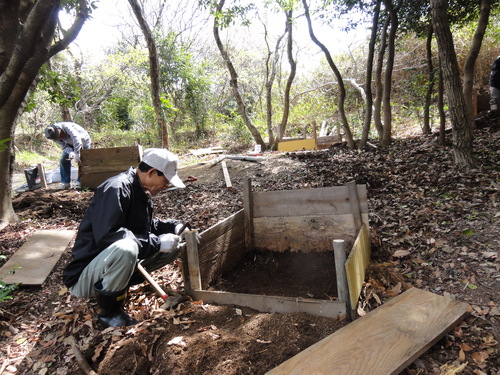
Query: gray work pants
[(494, 98), (114, 266)]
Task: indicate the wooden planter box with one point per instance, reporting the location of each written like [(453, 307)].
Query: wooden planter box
[(99, 164), (295, 220)]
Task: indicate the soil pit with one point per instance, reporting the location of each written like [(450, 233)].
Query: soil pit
[(287, 274)]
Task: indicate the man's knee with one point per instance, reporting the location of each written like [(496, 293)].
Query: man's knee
[(126, 249)]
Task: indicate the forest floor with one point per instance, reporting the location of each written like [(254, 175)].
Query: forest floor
[(432, 226)]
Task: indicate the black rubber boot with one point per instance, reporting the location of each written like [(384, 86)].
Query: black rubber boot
[(111, 303)]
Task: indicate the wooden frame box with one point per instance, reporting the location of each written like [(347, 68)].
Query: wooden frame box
[(293, 220)]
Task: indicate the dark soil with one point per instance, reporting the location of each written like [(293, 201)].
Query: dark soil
[(306, 275), (433, 226)]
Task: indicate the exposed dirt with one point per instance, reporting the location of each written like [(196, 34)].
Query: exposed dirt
[(433, 226)]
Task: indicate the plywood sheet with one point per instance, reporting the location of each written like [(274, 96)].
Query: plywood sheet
[(36, 258), (302, 144), (385, 341), (356, 264)]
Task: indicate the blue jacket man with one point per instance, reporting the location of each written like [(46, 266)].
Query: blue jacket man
[(72, 138)]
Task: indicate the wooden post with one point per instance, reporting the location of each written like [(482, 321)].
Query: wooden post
[(193, 260), (355, 206), (229, 185), (342, 286), (248, 213), (41, 173)]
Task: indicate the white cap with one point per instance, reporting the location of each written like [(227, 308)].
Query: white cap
[(166, 162)]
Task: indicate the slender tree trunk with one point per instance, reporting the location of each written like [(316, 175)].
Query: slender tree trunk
[(291, 76), (271, 66), (24, 51), (387, 137), (342, 92), (368, 80), (154, 71), (473, 53), (234, 82), (459, 116), (379, 87), (442, 115), (431, 78)]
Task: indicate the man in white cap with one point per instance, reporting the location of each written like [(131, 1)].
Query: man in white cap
[(118, 230)]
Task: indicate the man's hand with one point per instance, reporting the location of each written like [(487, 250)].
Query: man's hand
[(77, 158), (71, 155), (169, 242), (183, 227)]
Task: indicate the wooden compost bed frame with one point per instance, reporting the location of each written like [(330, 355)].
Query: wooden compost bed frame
[(320, 219)]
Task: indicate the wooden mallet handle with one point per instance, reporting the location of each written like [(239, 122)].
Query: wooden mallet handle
[(148, 277)]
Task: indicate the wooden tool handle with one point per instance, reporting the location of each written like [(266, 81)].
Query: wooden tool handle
[(151, 281)]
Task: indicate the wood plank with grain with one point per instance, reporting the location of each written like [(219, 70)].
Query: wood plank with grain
[(385, 341), (34, 261)]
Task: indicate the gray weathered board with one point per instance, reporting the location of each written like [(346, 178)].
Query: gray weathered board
[(306, 219), (34, 261), (383, 342)]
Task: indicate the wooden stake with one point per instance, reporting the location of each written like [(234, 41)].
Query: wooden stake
[(342, 286), (193, 260), (41, 173), (229, 185)]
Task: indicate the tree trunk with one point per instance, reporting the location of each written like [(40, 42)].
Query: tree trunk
[(271, 66), (368, 80), (154, 71), (342, 92), (442, 115), (379, 87), (24, 51), (430, 86), (291, 77), (234, 82), (473, 53), (387, 137), (459, 116)]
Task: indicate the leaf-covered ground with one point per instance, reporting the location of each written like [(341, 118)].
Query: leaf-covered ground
[(433, 226)]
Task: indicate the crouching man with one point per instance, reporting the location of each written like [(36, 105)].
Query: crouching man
[(118, 230)]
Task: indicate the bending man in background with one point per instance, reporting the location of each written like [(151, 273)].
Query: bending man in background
[(72, 138)]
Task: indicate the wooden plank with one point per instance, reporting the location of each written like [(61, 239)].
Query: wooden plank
[(273, 304), (221, 247), (36, 258), (41, 173), (302, 233), (110, 153), (227, 179), (355, 205), (93, 180), (298, 145), (356, 265), (248, 209), (317, 201), (385, 341)]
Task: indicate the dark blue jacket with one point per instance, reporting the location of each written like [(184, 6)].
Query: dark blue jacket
[(495, 74), (119, 209)]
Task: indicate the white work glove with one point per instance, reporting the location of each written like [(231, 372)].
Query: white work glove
[(71, 155), (169, 242), (178, 227), (77, 158)]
